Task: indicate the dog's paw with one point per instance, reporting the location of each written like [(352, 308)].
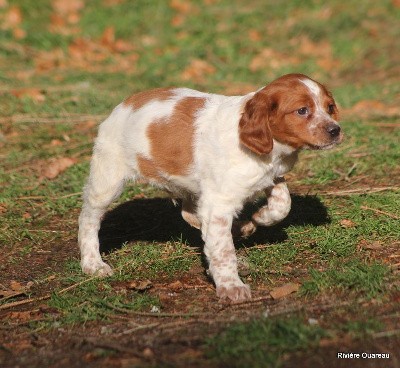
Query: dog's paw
[(96, 268), (237, 292), (247, 229), (243, 229)]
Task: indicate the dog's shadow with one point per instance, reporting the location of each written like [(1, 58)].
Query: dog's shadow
[(158, 220)]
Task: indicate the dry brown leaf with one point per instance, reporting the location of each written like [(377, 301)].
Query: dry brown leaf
[(26, 216), (197, 70), (35, 94), (368, 108), (284, 290), (181, 6), (177, 285), (369, 105), (16, 286), (47, 60), (8, 293), (374, 245), (56, 143), (254, 35), (108, 37), (139, 285), (346, 223), (20, 316), (396, 3), (19, 33), (321, 50), (65, 17), (3, 209), (178, 20), (57, 166), (270, 59), (67, 7), (12, 19)]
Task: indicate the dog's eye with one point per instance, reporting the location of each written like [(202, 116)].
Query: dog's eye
[(331, 109), (303, 111)]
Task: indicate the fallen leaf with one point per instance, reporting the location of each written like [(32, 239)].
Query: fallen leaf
[(21, 316), (3, 209), (55, 143), (108, 36), (254, 35), (270, 59), (365, 244), (181, 6), (345, 223), (26, 216), (35, 94), (177, 285), (19, 33), (197, 70), (16, 286), (396, 3), (140, 285), (57, 166), (67, 7), (285, 290), (12, 19)]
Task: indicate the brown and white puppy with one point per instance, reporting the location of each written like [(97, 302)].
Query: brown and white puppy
[(213, 151)]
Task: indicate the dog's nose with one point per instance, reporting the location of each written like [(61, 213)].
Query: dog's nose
[(333, 130)]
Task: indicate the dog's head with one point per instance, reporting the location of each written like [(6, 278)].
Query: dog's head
[(294, 110)]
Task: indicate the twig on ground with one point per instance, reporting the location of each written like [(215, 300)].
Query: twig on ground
[(155, 314), (45, 297), (137, 328), (25, 301), (358, 191), (389, 333), (381, 212)]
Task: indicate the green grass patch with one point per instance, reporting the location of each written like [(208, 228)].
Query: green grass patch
[(94, 298), (267, 342), (352, 276), (98, 298), (151, 260), (261, 343)]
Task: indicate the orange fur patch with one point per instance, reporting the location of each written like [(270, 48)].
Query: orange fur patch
[(140, 99), (148, 169), (171, 141)]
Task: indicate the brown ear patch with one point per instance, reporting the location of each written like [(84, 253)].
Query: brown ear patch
[(254, 130), (172, 139), (140, 99)]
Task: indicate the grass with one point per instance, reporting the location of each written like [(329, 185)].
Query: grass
[(353, 276), (268, 342), (335, 243), (259, 343)]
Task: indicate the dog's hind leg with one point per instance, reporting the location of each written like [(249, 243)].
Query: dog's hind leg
[(105, 184), (189, 213)]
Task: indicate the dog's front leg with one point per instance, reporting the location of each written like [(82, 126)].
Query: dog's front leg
[(220, 252), (277, 208)]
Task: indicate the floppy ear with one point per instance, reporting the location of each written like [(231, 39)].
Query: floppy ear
[(254, 130)]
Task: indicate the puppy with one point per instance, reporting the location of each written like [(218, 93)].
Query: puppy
[(214, 152)]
